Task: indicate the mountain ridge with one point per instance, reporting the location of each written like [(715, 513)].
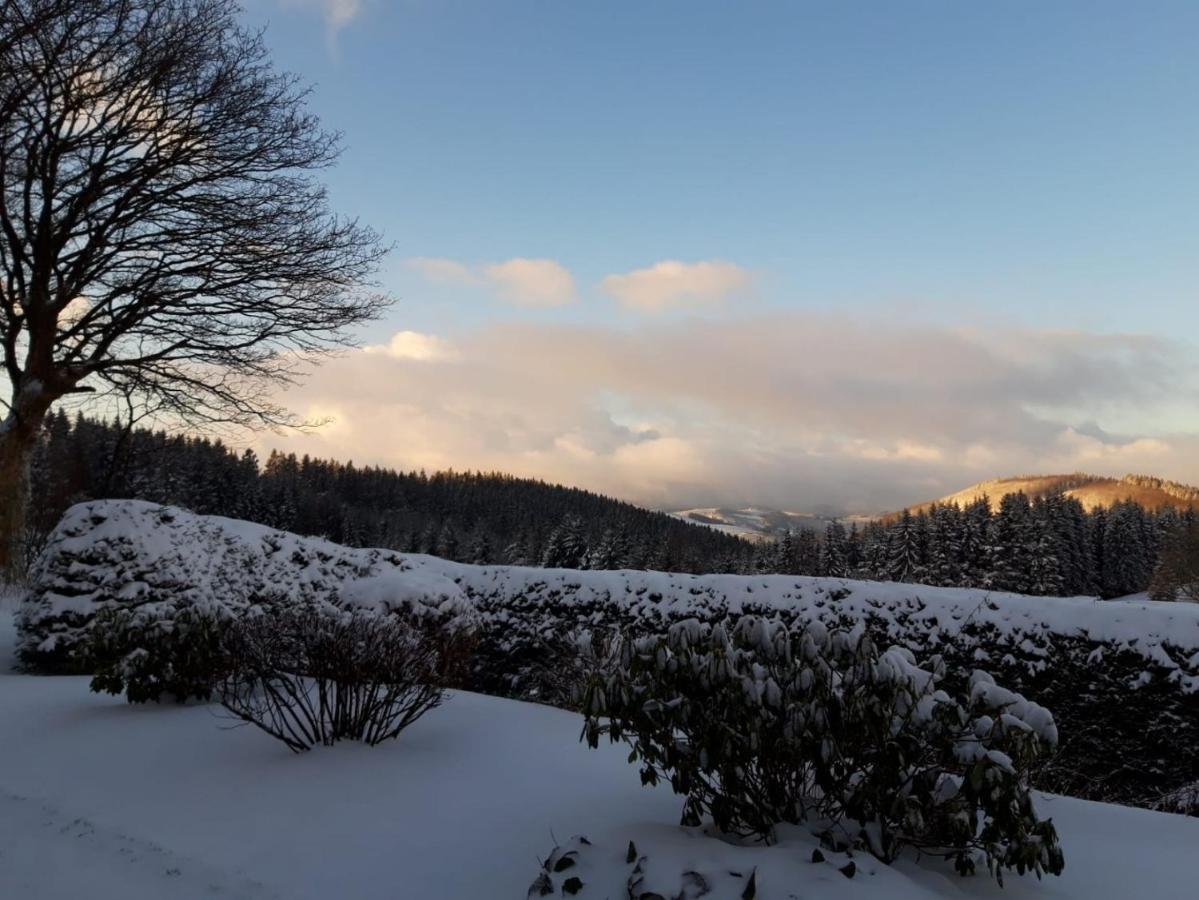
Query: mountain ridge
[(764, 524), (1091, 490)]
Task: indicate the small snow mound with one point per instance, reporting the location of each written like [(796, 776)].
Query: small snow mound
[(415, 592)]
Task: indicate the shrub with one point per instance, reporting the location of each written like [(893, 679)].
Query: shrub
[(1184, 800), (145, 655), (317, 674), (759, 725)]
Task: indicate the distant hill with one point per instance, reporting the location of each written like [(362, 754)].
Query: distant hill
[(1092, 491), (759, 524)]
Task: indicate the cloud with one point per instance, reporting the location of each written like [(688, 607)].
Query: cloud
[(798, 411), (339, 13), (336, 13), (532, 282), (520, 281), (442, 271), (415, 346), (671, 284)]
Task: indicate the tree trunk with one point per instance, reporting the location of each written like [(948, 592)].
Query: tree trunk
[(18, 435)]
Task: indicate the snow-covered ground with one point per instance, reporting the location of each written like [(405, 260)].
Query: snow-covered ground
[(104, 800)]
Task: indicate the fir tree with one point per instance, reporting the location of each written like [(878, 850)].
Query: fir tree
[(566, 548), (610, 552), (834, 561), (903, 550)]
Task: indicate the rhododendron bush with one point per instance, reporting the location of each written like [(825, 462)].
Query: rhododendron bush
[(758, 724)]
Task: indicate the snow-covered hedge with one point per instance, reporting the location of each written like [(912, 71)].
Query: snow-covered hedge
[(1082, 658)]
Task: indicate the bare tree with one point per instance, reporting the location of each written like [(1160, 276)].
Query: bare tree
[(162, 231)]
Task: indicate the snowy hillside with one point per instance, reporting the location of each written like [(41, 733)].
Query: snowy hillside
[(103, 800), (1082, 658)]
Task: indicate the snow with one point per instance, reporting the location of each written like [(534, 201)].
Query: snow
[(105, 800)]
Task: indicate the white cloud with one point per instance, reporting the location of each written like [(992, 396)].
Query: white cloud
[(671, 284), (339, 13), (415, 346), (794, 411), (438, 270), (532, 282), (336, 13), (520, 281)]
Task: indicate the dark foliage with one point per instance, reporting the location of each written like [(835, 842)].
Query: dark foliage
[(758, 725), (147, 658)]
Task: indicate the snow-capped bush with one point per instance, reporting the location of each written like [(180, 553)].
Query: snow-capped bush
[(1183, 800), (142, 600), (315, 674), (758, 724), (147, 656)]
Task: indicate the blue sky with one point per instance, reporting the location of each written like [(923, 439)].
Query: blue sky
[(1006, 167), (1032, 160)]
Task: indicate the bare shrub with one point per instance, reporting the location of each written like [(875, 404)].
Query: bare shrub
[(316, 675)]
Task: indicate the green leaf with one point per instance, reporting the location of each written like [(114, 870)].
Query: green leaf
[(751, 889)]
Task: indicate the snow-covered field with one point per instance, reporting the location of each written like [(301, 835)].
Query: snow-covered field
[(104, 800)]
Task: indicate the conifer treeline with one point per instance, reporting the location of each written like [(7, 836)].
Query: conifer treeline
[(1050, 545), (469, 517)]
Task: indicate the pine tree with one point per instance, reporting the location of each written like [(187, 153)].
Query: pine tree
[(903, 551), (1177, 573), (807, 552), (517, 552), (1045, 571), (480, 548), (1126, 559), (785, 559), (945, 546), (875, 553), (447, 541), (566, 548), (609, 553), (976, 561), (662, 558), (1097, 541), (428, 538), (1013, 541), (834, 561), (853, 550)]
